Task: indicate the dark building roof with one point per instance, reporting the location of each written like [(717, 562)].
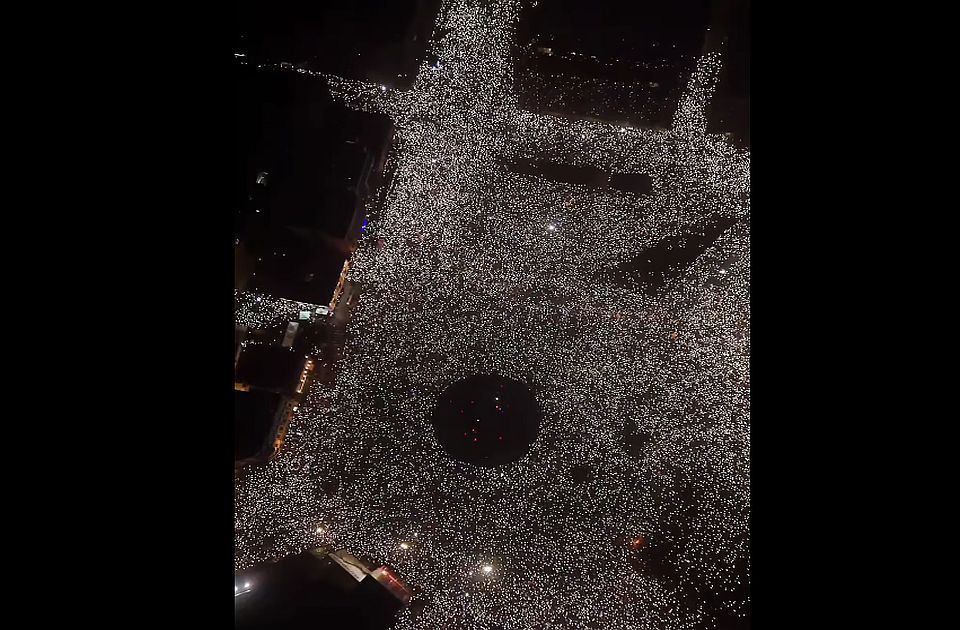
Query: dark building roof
[(369, 39), (301, 264), (629, 62), (309, 590), (318, 154), (270, 367), (253, 421)]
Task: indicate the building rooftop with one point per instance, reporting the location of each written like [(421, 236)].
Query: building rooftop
[(270, 367), (254, 412), (312, 590)]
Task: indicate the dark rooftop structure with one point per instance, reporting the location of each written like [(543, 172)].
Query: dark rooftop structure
[(254, 418), (268, 381), (270, 368), (293, 226), (365, 39), (628, 62), (305, 163), (318, 590)]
